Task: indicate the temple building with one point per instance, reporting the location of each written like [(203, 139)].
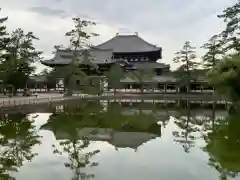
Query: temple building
[(132, 53)]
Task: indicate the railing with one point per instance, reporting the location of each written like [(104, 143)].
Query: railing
[(22, 101), (168, 101), (37, 100), (158, 91)]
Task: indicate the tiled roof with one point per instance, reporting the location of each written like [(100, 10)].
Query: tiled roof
[(96, 56), (127, 44)]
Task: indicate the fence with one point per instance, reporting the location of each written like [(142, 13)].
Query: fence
[(22, 101), (36, 100), (144, 90), (157, 91)]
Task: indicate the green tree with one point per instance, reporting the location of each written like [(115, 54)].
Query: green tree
[(214, 52), (187, 58), (19, 57), (213, 55), (18, 136), (3, 35), (231, 33), (222, 145), (143, 76), (3, 42), (114, 76), (188, 126), (225, 77), (72, 143), (79, 39), (78, 159)]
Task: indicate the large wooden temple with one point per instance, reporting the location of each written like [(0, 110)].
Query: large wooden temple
[(132, 53)]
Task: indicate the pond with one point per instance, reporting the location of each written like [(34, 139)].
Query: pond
[(99, 140)]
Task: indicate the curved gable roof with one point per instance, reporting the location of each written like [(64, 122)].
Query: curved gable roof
[(96, 56), (128, 44)]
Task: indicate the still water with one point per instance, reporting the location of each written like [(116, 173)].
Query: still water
[(93, 140)]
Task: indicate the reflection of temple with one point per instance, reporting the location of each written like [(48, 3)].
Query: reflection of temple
[(117, 139), (132, 53)]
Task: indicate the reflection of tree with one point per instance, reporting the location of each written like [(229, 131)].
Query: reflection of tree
[(163, 119), (188, 126), (223, 146), (78, 159), (68, 123), (89, 122), (18, 136)]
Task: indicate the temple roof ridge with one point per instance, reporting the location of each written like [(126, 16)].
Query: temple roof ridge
[(128, 43)]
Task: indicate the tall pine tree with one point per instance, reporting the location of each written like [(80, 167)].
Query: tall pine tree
[(20, 54), (3, 42), (3, 35), (79, 40), (214, 52), (213, 56), (231, 33), (187, 58)]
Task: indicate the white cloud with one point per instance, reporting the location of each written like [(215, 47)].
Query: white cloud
[(166, 23)]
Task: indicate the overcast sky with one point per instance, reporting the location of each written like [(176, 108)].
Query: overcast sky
[(166, 23)]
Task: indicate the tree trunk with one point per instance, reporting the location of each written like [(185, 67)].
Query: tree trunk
[(115, 90), (141, 87), (214, 98), (14, 91), (70, 86)]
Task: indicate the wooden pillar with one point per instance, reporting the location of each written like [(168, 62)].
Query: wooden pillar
[(201, 88), (178, 103), (165, 87), (36, 85)]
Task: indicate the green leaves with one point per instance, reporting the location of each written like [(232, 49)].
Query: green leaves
[(225, 77), (232, 30), (78, 40), (18, 136), (114, 76), (78, 35), (214, 52), (143, 76), (223, 146), (3, 36), (19, 55), (187, 58)]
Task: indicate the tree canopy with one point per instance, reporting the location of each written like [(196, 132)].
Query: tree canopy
[(225, 77), (114, 76), (3, 35), (187, 58), (231, 33), (214, 52), (79, 39), (19, 58)]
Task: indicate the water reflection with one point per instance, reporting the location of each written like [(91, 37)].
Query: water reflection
[(223, 146), (77, 127), (95, 137), (188, 128), (17, 137)]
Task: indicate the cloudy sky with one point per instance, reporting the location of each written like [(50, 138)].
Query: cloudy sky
[(166, 23)]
